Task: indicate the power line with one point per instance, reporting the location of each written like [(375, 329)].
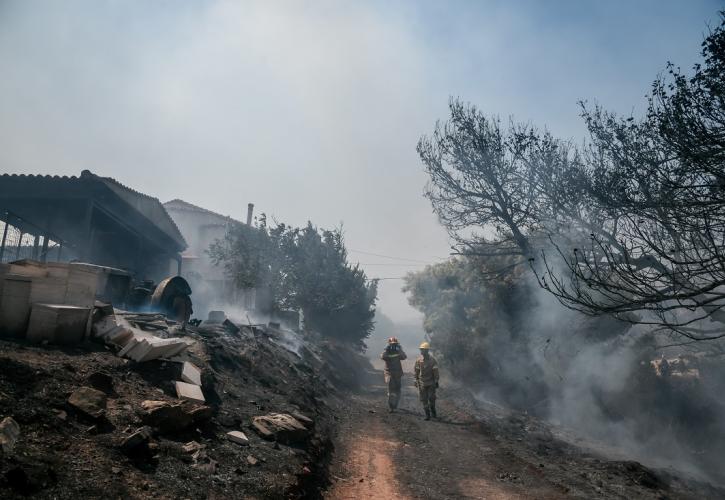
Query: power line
[(387, 256), (394, 265)]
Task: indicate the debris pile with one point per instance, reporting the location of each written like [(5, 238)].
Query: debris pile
[(146, 405)]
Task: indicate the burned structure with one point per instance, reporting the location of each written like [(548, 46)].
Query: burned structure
[(89, 218), (213, 288)]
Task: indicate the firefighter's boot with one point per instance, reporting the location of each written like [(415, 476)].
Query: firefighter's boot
[(427, 414), (433, 411)]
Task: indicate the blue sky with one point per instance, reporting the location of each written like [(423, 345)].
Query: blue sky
[(312, 110)]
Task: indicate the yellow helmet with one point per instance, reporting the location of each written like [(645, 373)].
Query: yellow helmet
[(424, 345)]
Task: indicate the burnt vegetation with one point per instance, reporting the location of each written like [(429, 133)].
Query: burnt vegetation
[(303, 269), (625, 230), (631, 223)]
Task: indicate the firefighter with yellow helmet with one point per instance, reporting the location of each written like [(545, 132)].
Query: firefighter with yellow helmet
[(393, 355), (426, 380)]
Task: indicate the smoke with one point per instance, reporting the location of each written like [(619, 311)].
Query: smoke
[(514, 344)]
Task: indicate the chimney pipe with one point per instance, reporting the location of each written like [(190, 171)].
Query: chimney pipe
[(250, 212)]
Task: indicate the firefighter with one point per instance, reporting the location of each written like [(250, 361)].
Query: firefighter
[(426, 380), (393, 355)]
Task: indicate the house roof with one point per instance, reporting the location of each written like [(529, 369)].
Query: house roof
[(147, 205), (88, 183), (185, 206)]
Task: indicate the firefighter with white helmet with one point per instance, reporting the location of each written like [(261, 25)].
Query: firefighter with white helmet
[(393, 355), (426, 380)]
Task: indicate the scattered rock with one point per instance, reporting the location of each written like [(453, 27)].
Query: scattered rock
[(280, 427), (27, 480), (201, 413), (166, 416), (169, 417), (238, 437), (101, 381), (62, 415), (204, 463), (192, 447), (138, 439), (9, 434), (88, 401), (252, 460)]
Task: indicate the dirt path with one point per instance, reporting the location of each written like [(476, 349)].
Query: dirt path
[(399, 455), (478, 453)]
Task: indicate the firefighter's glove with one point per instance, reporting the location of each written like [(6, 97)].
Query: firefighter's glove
[(437, 385)]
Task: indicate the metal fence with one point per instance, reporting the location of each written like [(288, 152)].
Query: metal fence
[(21, 239)]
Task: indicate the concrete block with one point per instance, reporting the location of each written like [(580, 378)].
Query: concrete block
[(14, 305), (189, 391), (216, 316), (190, 373), (57, 323)]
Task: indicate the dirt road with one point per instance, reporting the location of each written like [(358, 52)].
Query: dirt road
[(400, 456)]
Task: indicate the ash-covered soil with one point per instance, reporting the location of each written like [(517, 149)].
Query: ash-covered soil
[(478, 451), (64, 454)]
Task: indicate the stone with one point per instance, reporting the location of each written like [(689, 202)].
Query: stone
[(9, 434), (88, 401), (165, 416), (238, 437), (305, 420), (189, 391), (200, 413), (252, 460), (101, 381), (190, 373), (192, 447), (138, 439), (280, 427)]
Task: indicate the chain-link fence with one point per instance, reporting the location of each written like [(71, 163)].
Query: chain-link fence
[(21, 239)]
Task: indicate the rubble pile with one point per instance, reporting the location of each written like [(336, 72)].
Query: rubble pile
[(131, 412)]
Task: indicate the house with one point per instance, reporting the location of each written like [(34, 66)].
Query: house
[(213, 288), (89, 218)]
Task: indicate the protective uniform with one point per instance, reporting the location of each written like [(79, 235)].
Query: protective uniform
[(393, 355), (426, 379)]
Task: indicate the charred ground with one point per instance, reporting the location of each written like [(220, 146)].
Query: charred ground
[(63, 454)]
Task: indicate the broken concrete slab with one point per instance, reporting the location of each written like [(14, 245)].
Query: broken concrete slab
[(89, 401), (238, 437), (57, 323), (190, 373), (189, 391), (159, 348), (9, 434), (280, 427)]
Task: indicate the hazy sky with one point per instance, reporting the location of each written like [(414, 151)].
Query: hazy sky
[(312, 110)]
